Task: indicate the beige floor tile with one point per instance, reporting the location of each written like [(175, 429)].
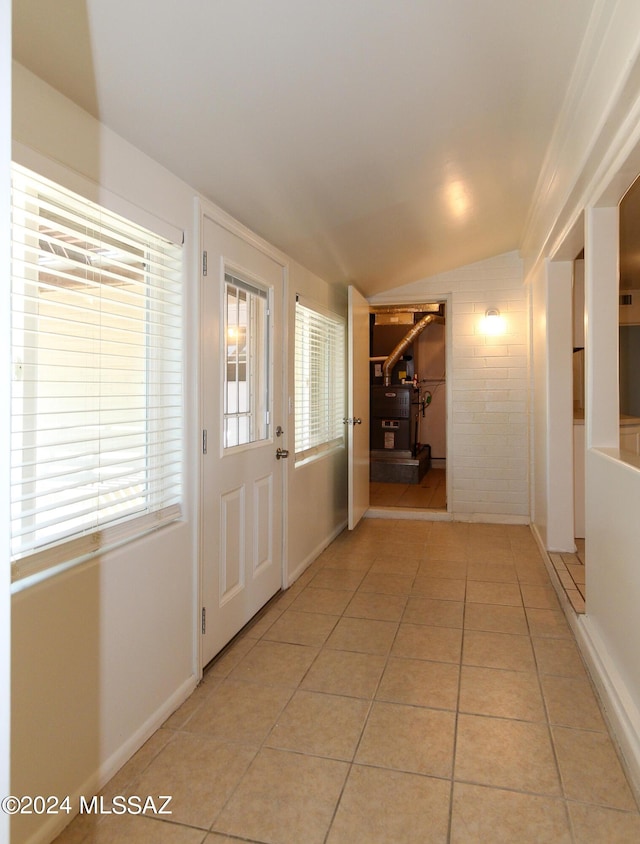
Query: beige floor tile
[(434, 612), (451, 569), (82, 829), (259, 626), (391, 807), (590, 769), (320, 725), (363, 635), (597, 825), (387, 584), (558, 656), (493, 618), (139, 762), (492, 572), (224, 664), (551, 623), (275, 664), (330, 601), (195, 700), (341, 579), (216, 838), (486, 554), (397, 564), (504, 694), (507, 754), (375, 606), (420, 641), (488, 592), (571, 702), (285, 798), (576, 599), (451, 552), (483, 815), (137, 829), (408, 738), (345, 673), (577, 572), (444, 588), (534, 574), (242, 712), (301, 628), (498, 650), (420, 683), (542, 597), (199, 772)]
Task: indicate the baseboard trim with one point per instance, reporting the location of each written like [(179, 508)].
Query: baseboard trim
[(314, 554), (620, 711), (54, 824)]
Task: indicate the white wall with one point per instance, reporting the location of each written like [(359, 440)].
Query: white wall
[(593, 159), (105, 652), (487, 383), (5, 605), (317, 490)]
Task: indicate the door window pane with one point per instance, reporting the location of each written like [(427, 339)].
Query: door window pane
[(246, 361)]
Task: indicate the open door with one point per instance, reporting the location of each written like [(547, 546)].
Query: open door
[(358, 407)]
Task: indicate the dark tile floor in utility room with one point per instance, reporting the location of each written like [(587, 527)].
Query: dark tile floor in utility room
[(429, 494), (418, 684)]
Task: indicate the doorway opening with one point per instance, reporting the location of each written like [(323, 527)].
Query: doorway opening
[(407, 374)]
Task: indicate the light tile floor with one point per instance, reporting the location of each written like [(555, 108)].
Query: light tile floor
[(418, 684), (570, 569), (429, 494)]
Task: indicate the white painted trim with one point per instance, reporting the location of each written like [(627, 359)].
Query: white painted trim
[(54, 824), (230, 224), (576, 103), (315, 553), (620, 711)]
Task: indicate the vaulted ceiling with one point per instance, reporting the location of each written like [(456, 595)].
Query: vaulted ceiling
[(374, 141)]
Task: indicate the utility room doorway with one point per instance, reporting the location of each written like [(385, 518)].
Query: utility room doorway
[(408, 414)]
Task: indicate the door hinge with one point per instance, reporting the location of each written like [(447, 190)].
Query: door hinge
[(204, 620), (204, 440), (204, 262)]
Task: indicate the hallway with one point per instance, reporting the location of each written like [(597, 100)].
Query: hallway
[(418, 684)]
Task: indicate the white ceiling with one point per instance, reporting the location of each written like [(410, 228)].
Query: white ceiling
[(374, 141)]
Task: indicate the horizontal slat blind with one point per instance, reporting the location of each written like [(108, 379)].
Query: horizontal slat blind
[(96, 406), (319, 381)]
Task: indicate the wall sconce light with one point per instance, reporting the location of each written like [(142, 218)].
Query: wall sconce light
[(493, 323)]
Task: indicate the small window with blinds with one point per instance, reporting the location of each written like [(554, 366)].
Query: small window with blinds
[(319, 381), (96, 402)]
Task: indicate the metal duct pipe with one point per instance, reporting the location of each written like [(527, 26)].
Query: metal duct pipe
[(406, 341)]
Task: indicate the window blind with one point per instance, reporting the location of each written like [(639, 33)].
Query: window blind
[(319, 381), (96, 403)]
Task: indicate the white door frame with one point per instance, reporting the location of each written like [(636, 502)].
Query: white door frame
[(205, 209)]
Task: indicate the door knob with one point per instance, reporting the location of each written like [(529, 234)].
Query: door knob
[(357, 421), (281, 452)]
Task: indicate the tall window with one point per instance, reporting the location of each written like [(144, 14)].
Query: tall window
[(319, 381), (96, 405)]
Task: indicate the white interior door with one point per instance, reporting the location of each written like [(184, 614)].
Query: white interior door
[(242, 478), (358, 407)]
